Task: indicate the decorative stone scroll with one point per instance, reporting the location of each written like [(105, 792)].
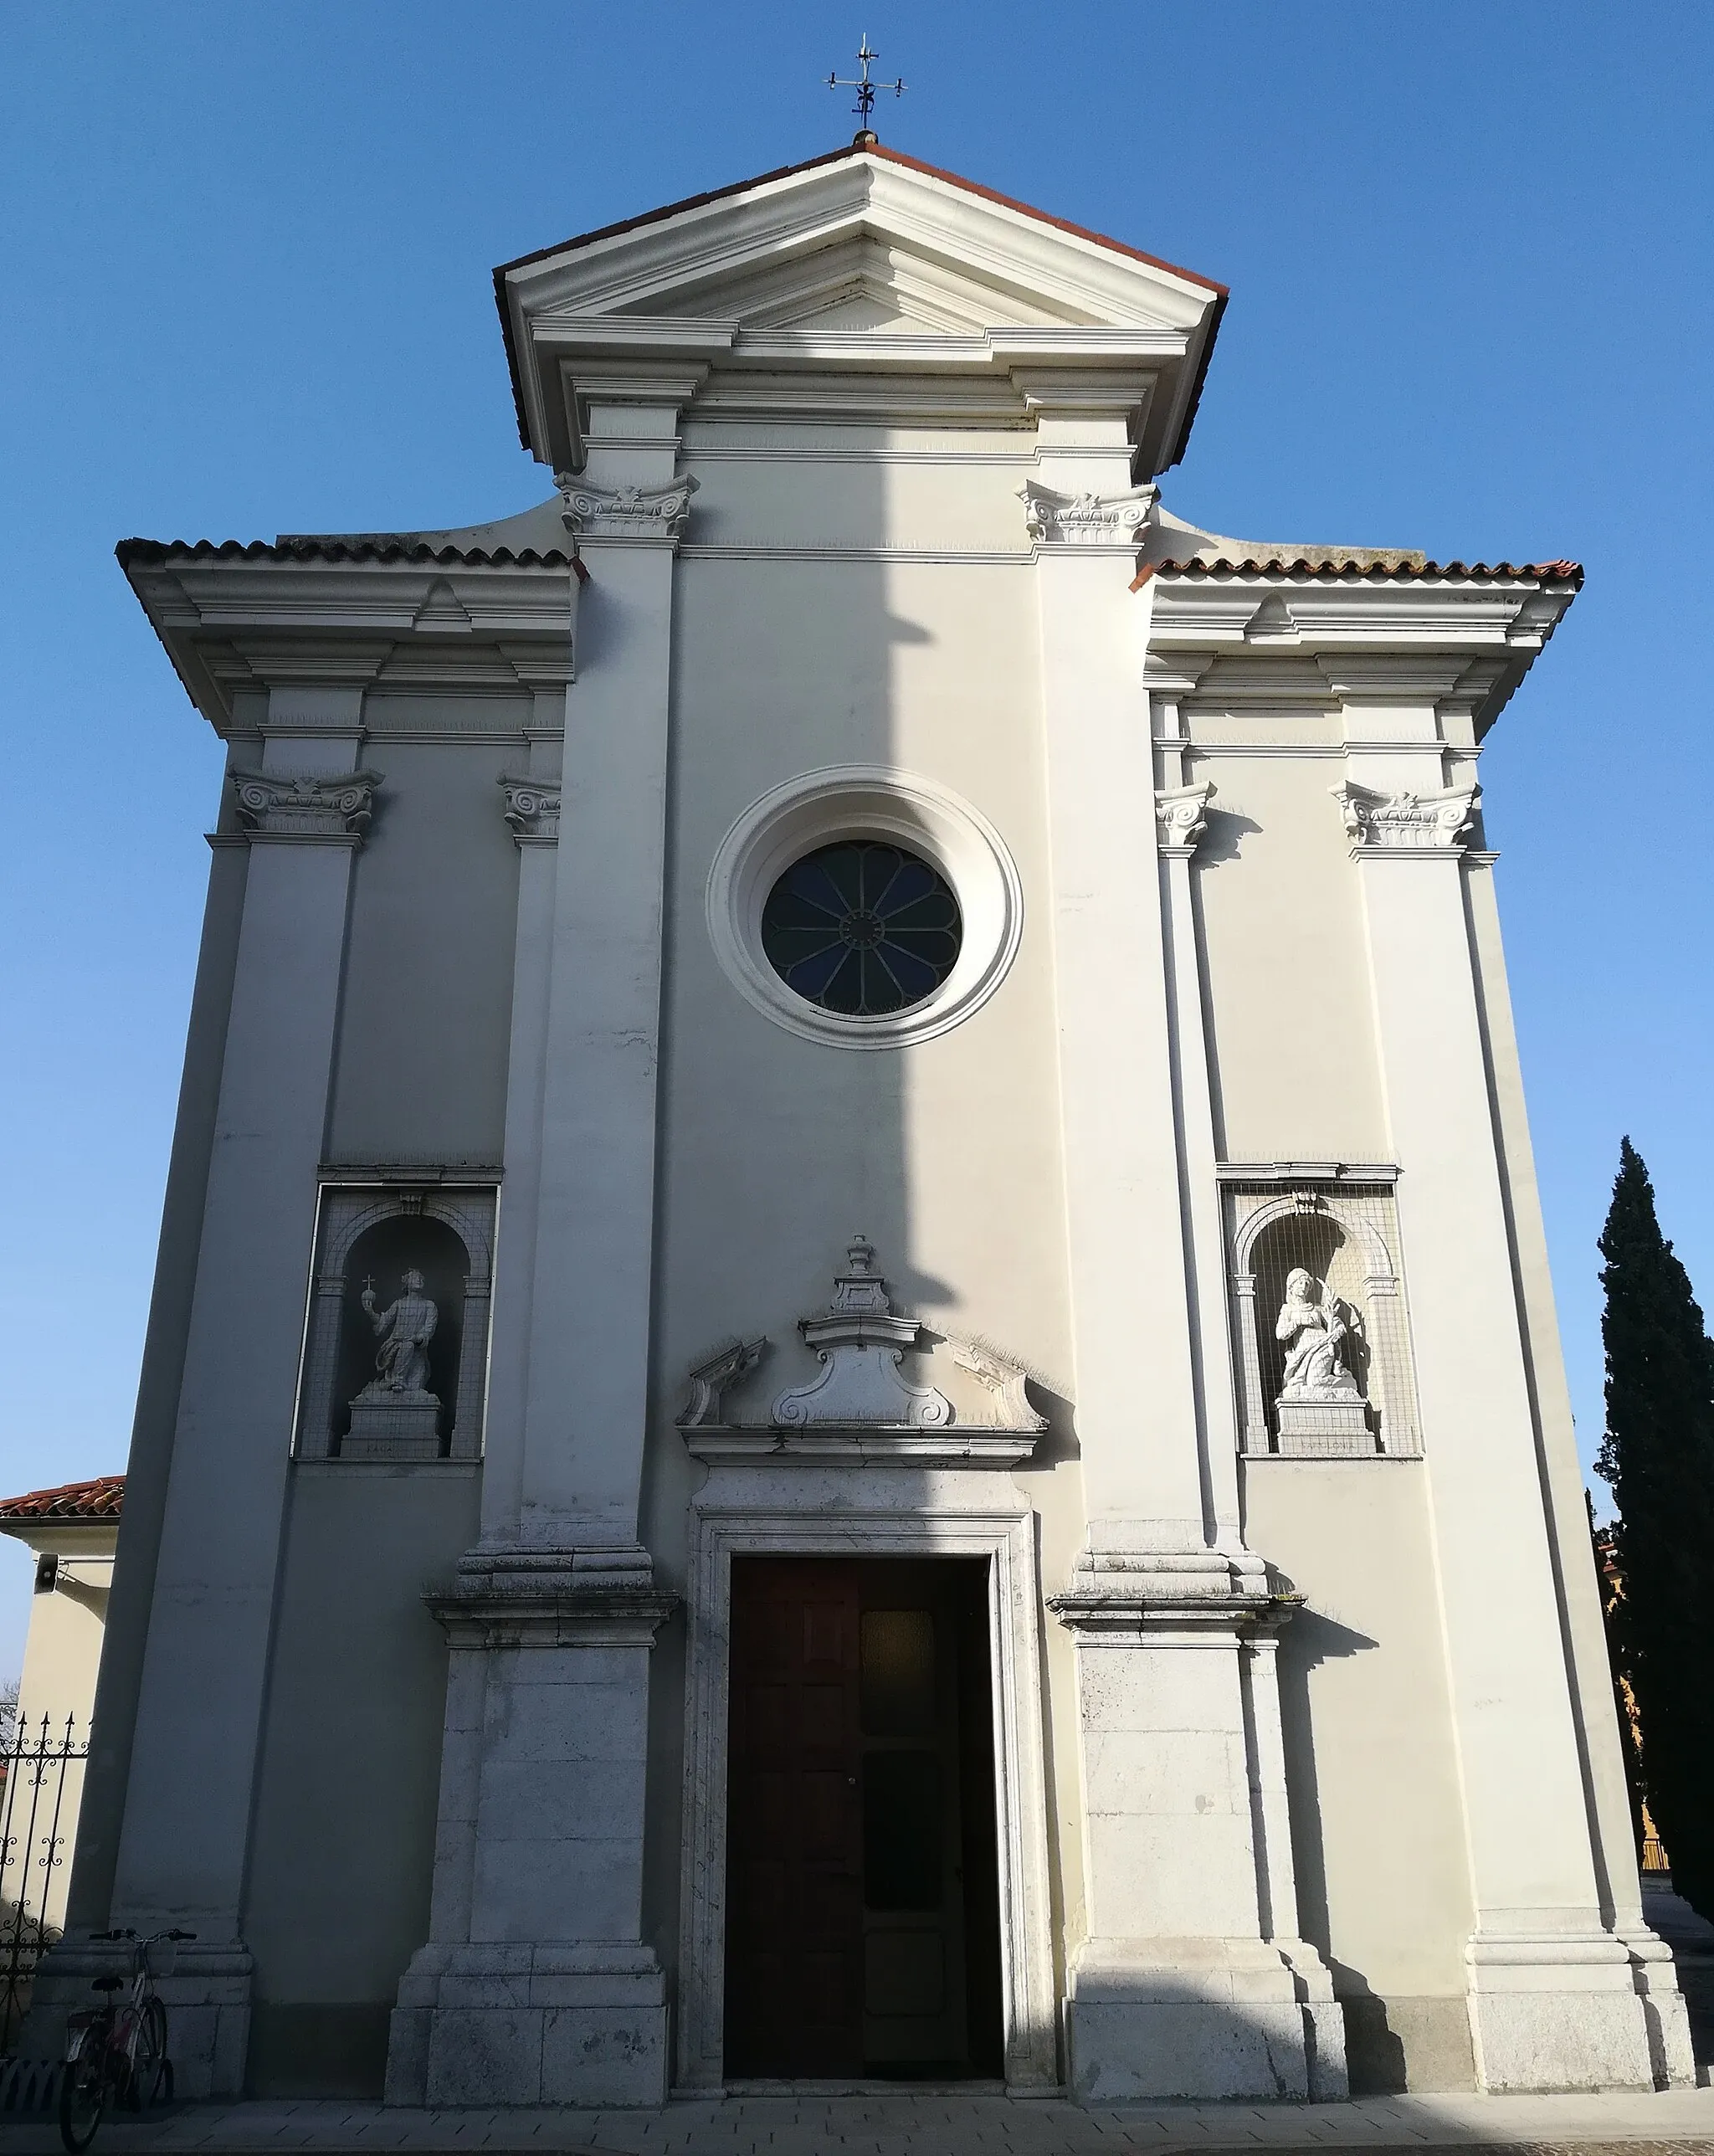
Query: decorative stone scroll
[(1406, 823), (313, 806), (862, 1406), (644, 514), (1181, 818), (377, 1327), (1084, 519), (532, 810), (1318, 1326)]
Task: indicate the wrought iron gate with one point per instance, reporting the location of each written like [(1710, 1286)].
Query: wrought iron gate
[(42, 1768)]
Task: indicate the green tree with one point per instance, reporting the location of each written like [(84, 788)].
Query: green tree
[(1658, 1454)]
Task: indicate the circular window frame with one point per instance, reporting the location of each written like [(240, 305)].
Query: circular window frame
[(866, 801)]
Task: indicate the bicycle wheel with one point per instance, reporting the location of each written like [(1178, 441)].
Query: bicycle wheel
[(149, 2069), (83, 2093)]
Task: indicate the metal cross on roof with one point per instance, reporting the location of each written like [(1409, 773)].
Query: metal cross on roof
[(865, 90)]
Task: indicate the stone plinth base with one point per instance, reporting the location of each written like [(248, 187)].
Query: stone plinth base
[(1156, 2020), (1334, 1427), (580, 2024), (1557, 2012), (393, 1426), (206, 1997)]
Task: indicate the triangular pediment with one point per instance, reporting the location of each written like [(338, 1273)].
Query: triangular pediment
[(853, 259), (868, 280)]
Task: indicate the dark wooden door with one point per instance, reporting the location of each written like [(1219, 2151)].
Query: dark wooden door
[(794, 1881)]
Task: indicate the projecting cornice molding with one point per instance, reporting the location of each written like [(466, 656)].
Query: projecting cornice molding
[(1407, 825), (1084, 519), (318, 810), (428, 617)]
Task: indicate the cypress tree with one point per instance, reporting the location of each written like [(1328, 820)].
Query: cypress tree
[(1658, 1454)]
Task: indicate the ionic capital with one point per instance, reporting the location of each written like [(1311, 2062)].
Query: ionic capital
[(1407, 822), (1181, 818), (628, 515), (532, 810), (317, 807), (1084, 519)]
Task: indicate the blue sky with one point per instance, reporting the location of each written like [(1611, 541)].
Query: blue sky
[(246, 269)]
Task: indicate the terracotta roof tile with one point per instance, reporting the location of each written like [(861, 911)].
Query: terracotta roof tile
[(354, 547), (100, 1499), (1367, 567)]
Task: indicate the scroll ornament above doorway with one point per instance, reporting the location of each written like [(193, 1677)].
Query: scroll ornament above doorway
[(862, 1407)]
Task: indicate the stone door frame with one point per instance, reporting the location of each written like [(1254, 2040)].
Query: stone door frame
[(890, 1526)]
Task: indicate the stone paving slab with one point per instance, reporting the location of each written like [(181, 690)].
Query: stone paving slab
[(919, 2122)]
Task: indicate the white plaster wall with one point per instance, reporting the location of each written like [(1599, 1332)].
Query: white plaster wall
[(343, 1850), (1293, 1033), (426, 1012), (775, 1149)]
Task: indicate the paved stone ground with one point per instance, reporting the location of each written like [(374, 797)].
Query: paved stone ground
[(924, 2123)]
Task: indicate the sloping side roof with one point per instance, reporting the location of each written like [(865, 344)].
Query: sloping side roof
[(1367, 564), (345, 546), (101, 1499), (864, 145)]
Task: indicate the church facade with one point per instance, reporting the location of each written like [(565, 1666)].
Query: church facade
[(853, 1374)]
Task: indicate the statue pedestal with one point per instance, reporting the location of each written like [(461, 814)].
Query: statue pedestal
[(1334, 1426), (393, 1426)]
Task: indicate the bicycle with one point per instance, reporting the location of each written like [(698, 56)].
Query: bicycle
[(118, 2051)]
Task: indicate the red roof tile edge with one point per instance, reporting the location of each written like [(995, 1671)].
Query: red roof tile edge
[(1356, 569), (100, 1499), (833, 158), (147, 553)]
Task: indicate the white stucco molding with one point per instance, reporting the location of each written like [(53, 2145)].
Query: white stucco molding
[(1181, 818), (1086, 518), (532, 810), (315, 808), (1406, 824), (626, 516), (862, 1408), (867, 801), (850, 1512)]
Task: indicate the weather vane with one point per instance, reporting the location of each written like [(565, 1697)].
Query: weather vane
[(865, 90)]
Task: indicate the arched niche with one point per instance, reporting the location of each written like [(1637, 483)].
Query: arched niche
[(369, 1233), (1346, 1235)]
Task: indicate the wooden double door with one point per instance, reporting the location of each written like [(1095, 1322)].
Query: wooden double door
[(862, 1891)]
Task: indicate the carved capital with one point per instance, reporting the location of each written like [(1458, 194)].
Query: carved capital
[(1084, 519), (636, 516), (317, 807), (1181, 816), (532, 810), (1406, 823)]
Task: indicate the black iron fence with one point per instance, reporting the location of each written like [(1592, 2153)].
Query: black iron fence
[(41, 1785)]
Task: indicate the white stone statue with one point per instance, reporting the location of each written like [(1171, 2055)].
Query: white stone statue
[(404, 1329), (1313, 1324)]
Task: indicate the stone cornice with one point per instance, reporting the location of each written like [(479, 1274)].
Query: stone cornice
[(233, 621), (317, 808)]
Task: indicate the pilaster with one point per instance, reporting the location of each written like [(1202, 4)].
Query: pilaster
[(1554, 2001), (1193, 1982), (537, 1986), (303, 814)]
